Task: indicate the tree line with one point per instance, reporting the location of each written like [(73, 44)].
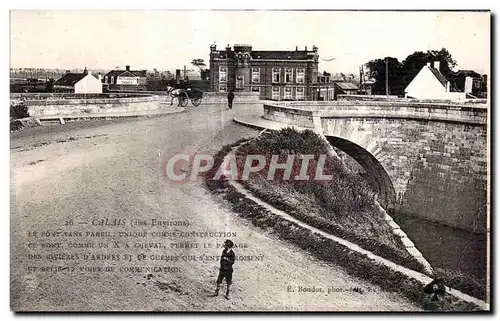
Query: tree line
[(400, 74)]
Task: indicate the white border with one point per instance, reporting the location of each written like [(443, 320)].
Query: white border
[(193, 4)]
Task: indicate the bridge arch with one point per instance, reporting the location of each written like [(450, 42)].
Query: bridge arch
[(376, 175)]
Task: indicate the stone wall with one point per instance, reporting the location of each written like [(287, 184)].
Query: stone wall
[(74, 106), (396, 98), (221, 98), (438, 169), (427, 159), (301, 118)]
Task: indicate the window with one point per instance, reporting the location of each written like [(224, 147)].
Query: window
[(240, 82), (222, 88), (288, 93), (106, 79), (276, 75), (276, 93), (112, 80), (256, 89), (299, 93), (288, 75), (222, 74), (255, 75), (300, 76)]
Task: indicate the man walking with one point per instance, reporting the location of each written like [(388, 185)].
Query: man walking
[(230, 97), (226, 267)]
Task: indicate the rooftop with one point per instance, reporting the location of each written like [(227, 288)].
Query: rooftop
[(70, 79), (442, 79), (346, 85)]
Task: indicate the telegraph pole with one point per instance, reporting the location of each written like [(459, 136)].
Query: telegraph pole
[(386, 78)]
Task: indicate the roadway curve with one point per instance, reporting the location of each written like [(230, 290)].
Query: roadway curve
[(113, 169)]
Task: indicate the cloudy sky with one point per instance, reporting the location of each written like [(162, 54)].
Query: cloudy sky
[(171, 39)]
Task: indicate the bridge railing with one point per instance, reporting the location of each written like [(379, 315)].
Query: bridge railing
[(464, 113)]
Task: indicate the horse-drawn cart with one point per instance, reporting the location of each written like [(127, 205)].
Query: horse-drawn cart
[(185, 95)]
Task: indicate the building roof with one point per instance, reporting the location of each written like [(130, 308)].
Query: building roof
[(70, 79), (274, 55), (346, 86), (442, 79), (116, 73), (293, 55), (470, 73), (127, 73)]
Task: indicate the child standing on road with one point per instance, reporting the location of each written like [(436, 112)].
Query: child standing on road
[(226, 267)]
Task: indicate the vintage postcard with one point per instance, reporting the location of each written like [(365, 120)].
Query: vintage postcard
[(225, 160)]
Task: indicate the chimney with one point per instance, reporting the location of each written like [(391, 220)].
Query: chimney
[(436, 65), (306, 48), (177, 76), (85, 71), (296, 48), (428, 64), (99, 76), (127, 67)]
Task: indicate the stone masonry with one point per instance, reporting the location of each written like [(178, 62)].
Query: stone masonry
[(419, 163)]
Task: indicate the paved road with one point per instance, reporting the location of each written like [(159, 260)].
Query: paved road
[(112, 170)]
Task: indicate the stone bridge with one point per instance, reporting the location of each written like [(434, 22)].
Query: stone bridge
[(424, 159)]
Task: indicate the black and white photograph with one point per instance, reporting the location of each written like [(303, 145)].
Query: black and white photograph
[(250, 160)]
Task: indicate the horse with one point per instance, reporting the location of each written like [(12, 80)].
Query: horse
[(176, 93)]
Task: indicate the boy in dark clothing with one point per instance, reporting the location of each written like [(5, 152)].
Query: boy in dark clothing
[(226, 267), (230, 97)]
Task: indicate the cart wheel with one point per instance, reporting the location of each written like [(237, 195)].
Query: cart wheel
[(196, 102), (184, 101)]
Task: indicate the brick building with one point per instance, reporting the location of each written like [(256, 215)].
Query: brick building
[(125, 79), (276, 75)]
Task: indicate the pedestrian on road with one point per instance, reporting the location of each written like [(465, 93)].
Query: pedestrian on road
[(230, 97), (226, 267)]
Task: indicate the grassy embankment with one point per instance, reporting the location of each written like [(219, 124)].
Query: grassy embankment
[(343, 206)]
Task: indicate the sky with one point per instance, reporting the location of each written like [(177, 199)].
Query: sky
[(171, 39)]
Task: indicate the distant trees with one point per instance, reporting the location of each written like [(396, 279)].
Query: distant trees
[(377, 71), (204, 72), (414, 62), (200, 63), (402, 73)]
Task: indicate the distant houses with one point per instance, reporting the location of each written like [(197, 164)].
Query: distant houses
[(345, 88), (125, 79), (430, 83), (472, 83), (79, 83)]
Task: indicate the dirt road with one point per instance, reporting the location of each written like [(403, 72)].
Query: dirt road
[(87, 179)]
